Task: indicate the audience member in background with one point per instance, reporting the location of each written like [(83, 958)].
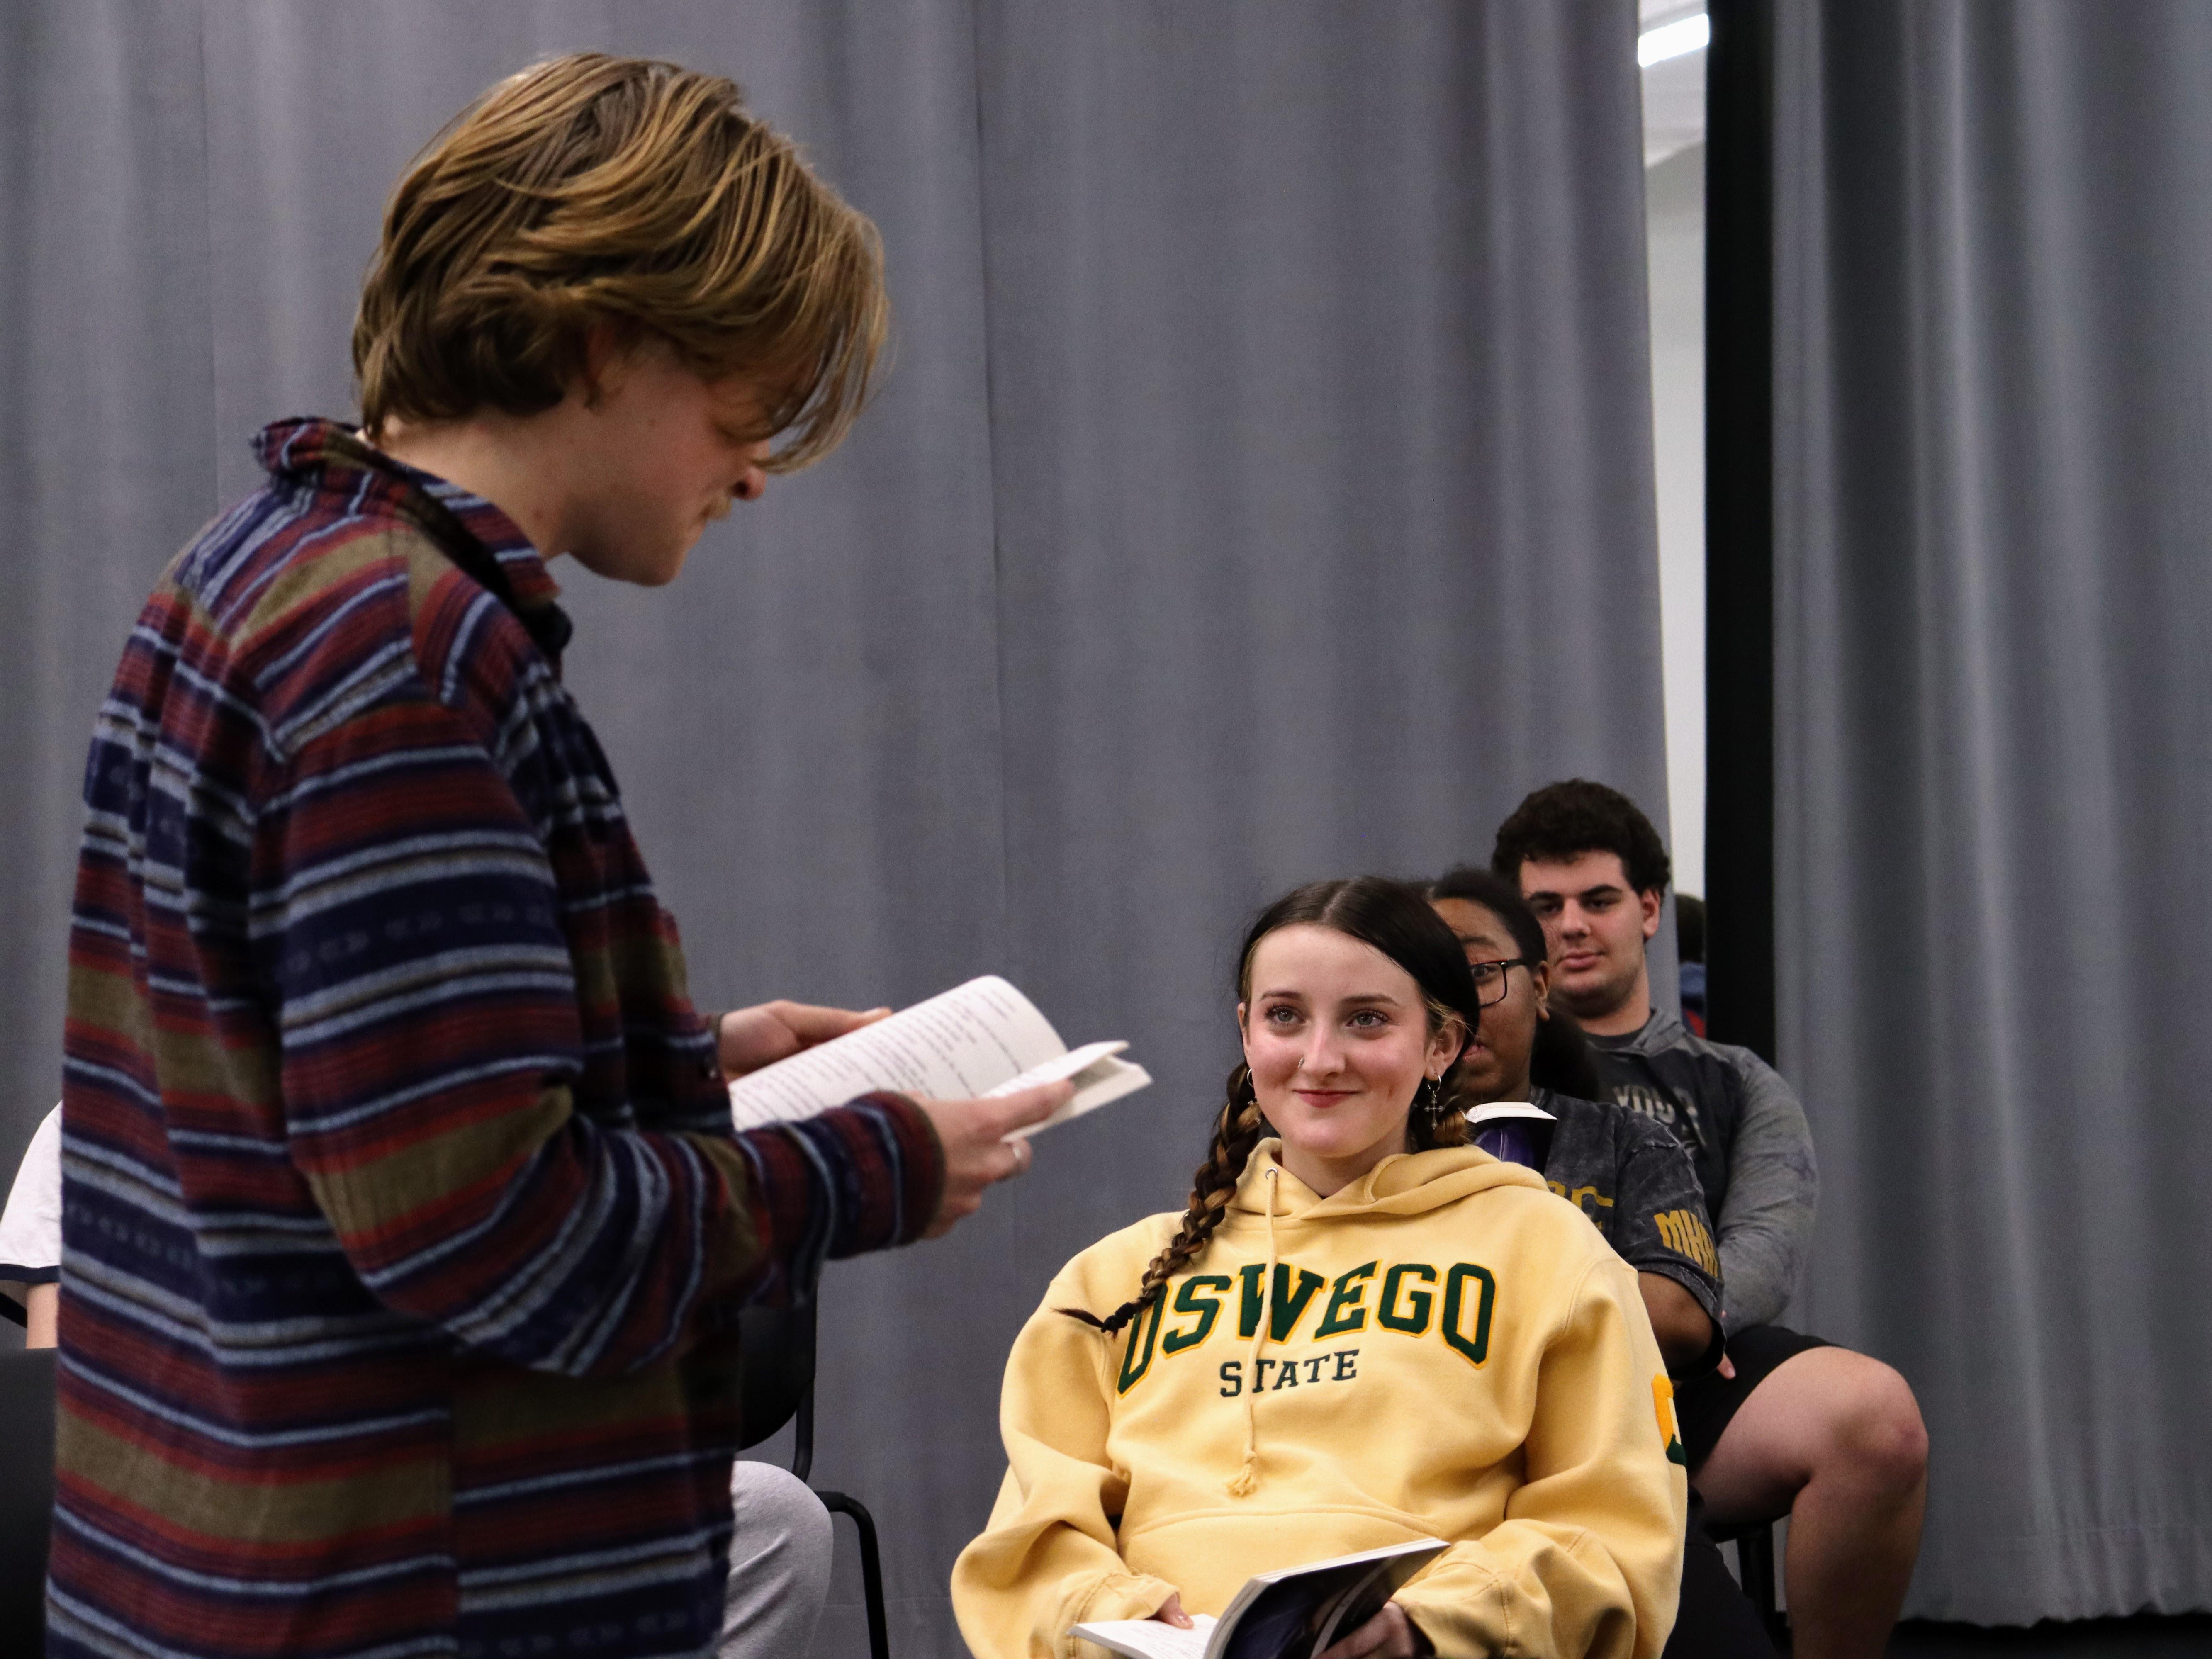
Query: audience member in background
[(1629, 1176), (405, 1231), (1690, 955), (1625, 1172), (31, 1236), (1831, 1438), (1154, 1471)]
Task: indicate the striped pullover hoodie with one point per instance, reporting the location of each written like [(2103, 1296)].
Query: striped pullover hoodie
[(404, 1227)]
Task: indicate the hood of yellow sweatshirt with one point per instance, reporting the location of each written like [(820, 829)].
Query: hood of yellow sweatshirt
[(1403, 1183)]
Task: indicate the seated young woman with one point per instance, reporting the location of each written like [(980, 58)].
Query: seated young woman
[(1621, 1169), (1360, 1331)]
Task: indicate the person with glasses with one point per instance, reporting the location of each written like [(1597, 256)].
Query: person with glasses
[(1796, 1426), (1623, 1170)]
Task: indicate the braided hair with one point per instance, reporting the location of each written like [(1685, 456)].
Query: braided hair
[(1396, 918)]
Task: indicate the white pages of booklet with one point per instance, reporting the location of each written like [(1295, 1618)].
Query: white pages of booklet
[(1148, 1638), (1509, 1111), (980, 1038), (1292, 1613)]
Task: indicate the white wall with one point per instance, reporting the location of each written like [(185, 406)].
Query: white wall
[(1674, 206)]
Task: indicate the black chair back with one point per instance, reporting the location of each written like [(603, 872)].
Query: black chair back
[(776, 1382), (775, 1371), (26, 1496)]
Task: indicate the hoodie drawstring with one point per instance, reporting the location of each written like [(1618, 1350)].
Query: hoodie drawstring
[(1246, 1479)]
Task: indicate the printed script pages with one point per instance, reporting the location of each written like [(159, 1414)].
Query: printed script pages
[(1295, 1612), (1148, 1638), (981, 1038)]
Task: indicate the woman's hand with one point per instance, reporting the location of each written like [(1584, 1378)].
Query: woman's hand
[(1171, 1613), (1389, 1635), (750, 1038)]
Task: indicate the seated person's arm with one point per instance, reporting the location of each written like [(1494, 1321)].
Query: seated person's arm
[(42, 1303), (1047, 1559), (1765, 1224), (1661, 1232), (31, 1234), (1685, 1329), (1593, 1539)]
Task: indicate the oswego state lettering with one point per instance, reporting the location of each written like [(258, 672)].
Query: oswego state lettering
[(1339, 1365), (1416, 1300)]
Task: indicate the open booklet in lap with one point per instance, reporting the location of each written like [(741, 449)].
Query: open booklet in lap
[(981, 1038), (1294, 1613)]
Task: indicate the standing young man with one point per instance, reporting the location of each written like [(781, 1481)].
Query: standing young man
[(1831, 1438), (405, 1230)]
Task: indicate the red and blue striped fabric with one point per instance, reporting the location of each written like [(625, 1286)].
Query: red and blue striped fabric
[(403, 1228)]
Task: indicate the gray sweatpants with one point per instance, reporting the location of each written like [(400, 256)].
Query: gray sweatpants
[(779, 1564)]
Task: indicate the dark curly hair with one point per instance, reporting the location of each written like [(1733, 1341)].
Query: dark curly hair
[(1564, 820)]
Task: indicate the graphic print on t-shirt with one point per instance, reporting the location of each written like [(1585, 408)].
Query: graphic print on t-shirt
[(1678, 1115), (1690, 1088), (1638, 1186)]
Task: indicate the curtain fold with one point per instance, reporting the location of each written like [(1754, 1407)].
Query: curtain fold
[(1262, 491), (1320, 432), (106, 465), (1993, 363)]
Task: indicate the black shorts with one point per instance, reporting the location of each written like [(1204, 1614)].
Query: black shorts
[(1706, 1406)]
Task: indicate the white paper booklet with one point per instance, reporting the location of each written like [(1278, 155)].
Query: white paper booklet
[(980, 1038), (1295, 1614)]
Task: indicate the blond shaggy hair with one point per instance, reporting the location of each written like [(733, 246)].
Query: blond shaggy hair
[(591, 191)]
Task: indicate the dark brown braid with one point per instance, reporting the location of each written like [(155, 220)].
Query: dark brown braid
[(1238, 1129)]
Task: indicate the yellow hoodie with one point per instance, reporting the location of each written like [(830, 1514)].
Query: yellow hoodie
[(1447, 1350)]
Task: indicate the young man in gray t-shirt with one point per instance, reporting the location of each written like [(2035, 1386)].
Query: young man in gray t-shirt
[(1831, 1438)]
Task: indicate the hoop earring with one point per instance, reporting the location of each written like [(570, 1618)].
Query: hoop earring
[(1244, 1091)]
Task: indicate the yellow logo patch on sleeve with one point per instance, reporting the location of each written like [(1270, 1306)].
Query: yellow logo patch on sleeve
[(1670, 1428)]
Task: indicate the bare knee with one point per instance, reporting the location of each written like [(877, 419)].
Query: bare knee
[(1875, 1429)]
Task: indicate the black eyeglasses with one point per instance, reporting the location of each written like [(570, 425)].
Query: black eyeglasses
[(1490, 979)]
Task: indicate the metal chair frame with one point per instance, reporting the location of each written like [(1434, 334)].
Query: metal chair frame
[(775, 1361), (1754, 1558)]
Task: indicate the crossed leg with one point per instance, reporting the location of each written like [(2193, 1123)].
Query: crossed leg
[(1833, 1440)]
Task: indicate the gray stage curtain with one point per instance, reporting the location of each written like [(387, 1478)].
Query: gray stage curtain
[(1262, 492), (1994, 397)]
